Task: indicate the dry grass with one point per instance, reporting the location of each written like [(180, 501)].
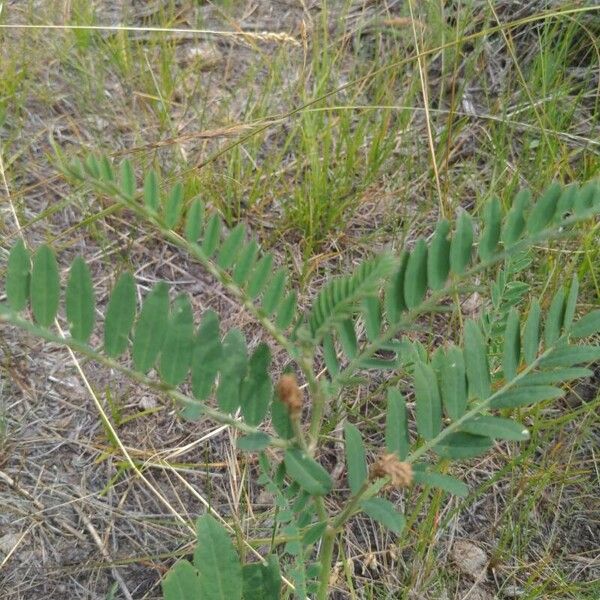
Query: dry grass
[(87, 514)]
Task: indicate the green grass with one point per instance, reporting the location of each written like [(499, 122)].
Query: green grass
[(324, 151)]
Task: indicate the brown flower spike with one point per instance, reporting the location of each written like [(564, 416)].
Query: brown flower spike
[(289, 393), (389, 465)]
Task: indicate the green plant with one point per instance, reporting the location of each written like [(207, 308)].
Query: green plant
[(463, 391)]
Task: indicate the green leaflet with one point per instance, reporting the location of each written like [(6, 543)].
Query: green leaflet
[(515, 220), (372, 316), (512, 345), (120, 315), (274, 292), (181, 582), (462, 445), (543, 210), (554, 318), (280, 418), (176, 355), (150, 329), (259, 276), (531, 333), (80, 301), (91, 166), (584, 200), (461, 244), (442, 482), (217, 562), (44, 286), (356, 461), (438, 258), (347, 337), (330, 355), (127, 180), (492, 220), (496, 428), (286, 311), (206, 355), (307, 472), (257, 388), (428, 404), (385, 513), (557, 376), (394, 294), (212, 235), (253, 442), (231, 246), (453, 382), (106, 171), (415, 278), (525, 395), (233, 370), (566, 201), (396, 425), (151, 191), (586, 326), (194, 220), (570, 356), (314, 533), (262, 582), (245, 262), (174, 207), (476, 361), (571, 304), (18, 275)]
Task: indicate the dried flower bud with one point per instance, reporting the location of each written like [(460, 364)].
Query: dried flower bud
[(389, 465), (289, 393)]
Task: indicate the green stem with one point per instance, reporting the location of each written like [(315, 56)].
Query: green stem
[(326, 555)]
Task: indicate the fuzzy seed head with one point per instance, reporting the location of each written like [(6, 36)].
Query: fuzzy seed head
[(289, 393), (389, 465)]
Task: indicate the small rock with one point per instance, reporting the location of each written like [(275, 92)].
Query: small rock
[(469, 558)]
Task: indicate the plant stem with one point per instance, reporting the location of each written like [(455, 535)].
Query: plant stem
[(326, 558)]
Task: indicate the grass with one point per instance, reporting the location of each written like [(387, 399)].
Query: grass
[(326, 149)]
